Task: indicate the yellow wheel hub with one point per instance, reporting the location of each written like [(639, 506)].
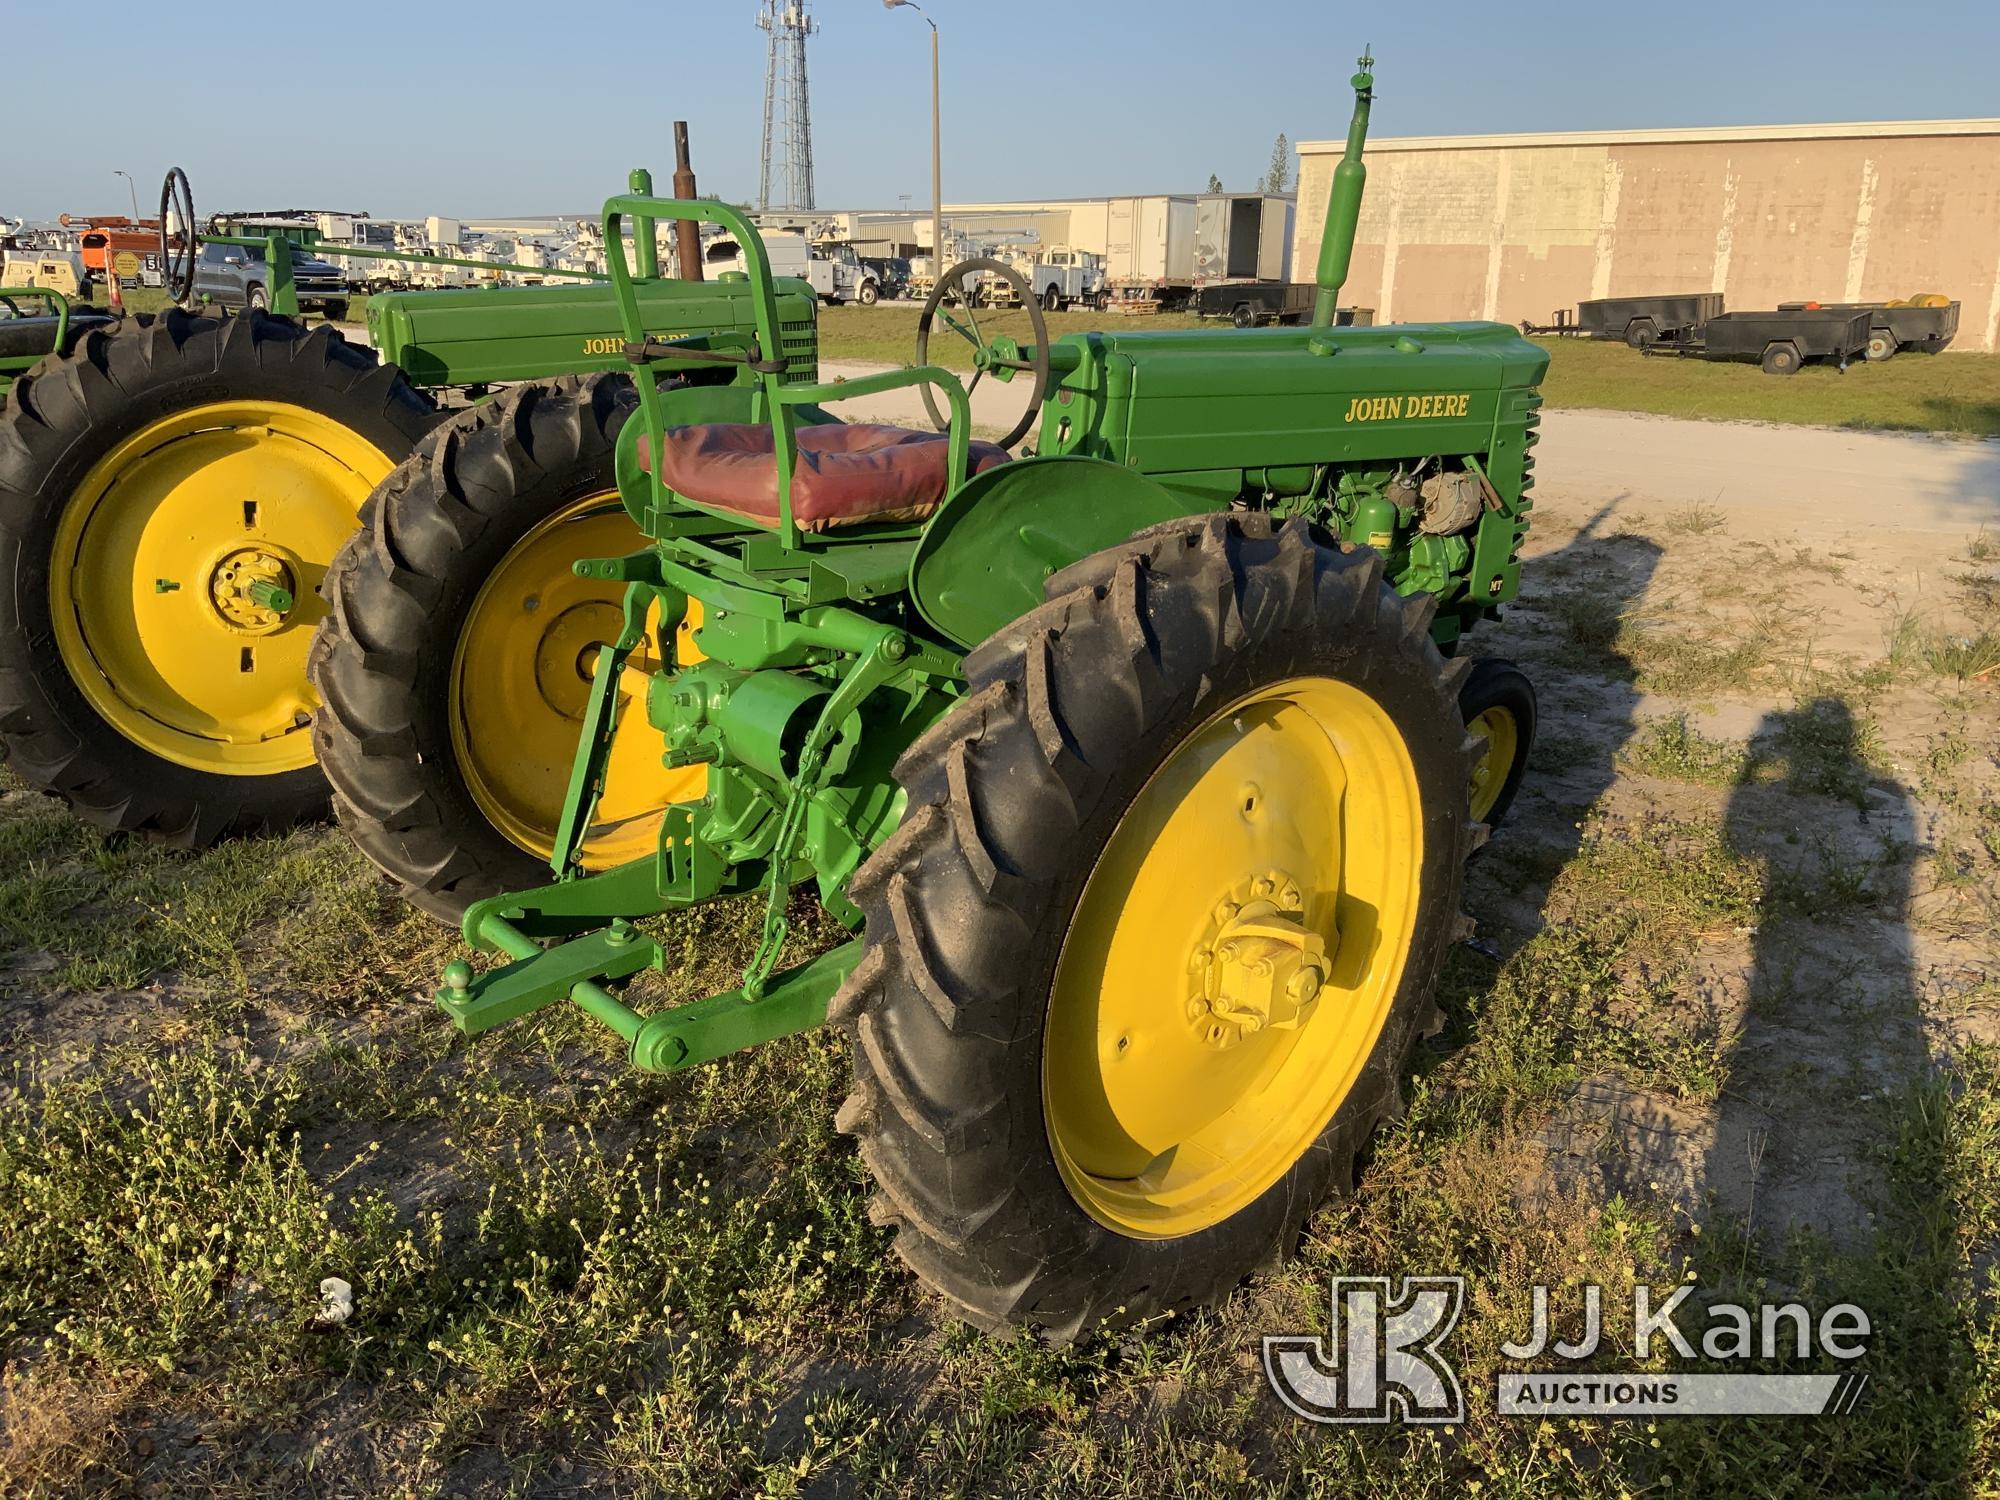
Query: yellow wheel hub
[(521, 678), (1500, 741), (183, 579), (1233, 958)]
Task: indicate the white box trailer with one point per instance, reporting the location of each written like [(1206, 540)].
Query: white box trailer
[(1274, 250), (1150, 252), (1242, 237)]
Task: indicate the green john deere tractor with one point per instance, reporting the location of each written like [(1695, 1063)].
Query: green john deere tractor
[(1139, 767), (174, 490)]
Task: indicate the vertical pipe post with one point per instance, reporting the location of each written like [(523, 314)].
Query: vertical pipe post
[(687, 233), (1343, 203), (937, 170)]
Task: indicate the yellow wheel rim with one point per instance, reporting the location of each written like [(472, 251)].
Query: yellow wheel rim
[(170, 561), (1500, 742), (520, 680), (1233, 958)]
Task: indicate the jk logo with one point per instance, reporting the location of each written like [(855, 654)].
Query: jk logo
[(1380, 1361)]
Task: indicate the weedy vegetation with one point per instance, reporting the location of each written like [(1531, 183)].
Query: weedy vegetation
[(224, 1088)]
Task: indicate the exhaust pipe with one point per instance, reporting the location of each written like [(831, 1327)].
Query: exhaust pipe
[(687, 233)]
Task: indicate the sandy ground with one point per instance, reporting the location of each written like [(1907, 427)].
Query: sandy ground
[(1814, 543)]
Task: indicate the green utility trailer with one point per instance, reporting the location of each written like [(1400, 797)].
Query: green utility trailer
[(1138, 763), (175, 490)]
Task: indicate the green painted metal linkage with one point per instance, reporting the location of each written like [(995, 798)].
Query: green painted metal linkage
[(683, 1036), (794, 1000)]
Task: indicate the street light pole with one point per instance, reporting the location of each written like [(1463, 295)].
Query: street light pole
[(129, 187), (937, 150)]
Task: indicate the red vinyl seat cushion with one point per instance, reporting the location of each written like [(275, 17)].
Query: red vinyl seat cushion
[(847, 473)]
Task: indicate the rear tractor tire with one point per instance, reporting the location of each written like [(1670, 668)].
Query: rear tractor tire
[(1149, 952), (171, 492), (1498, 706), (459, 648)]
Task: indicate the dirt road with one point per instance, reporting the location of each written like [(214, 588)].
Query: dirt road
[(1803, 479)]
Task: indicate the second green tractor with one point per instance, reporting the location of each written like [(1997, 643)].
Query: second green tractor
[(176, 491)]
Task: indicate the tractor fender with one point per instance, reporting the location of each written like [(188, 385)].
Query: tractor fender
[(984, 555)]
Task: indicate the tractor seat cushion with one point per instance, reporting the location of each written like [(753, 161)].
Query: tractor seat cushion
[(847, 473), (32, 337)]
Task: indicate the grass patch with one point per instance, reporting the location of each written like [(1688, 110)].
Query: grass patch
[(1824, 749), (1607, 635), (1673, 749), (1698, 519), (1961, 656), (1956, 393)]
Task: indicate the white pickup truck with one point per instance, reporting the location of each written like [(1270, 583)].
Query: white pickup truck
[(1065, 277), (1058, 278), (834, 270)]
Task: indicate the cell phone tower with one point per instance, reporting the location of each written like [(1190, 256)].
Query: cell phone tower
[(788, 137)]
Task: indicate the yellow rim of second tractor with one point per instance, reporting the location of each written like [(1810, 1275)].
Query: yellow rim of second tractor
[(514, 730), (171, 561), (1233, 958), (1499, 739)]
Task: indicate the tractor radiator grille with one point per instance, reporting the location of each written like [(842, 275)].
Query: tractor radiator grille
[(1531, 421), (801, 347)]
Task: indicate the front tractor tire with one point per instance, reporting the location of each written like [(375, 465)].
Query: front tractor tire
[(1497, 703), (171, 491), (1149, 952), (456, 659)]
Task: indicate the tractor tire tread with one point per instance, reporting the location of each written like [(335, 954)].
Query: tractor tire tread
[(397, 791)]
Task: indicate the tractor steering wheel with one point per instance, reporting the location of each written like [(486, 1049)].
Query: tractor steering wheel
[(177, 214), (952, 299)]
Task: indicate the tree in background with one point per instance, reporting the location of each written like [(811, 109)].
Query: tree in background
[(1214, 183), (1280, 174)]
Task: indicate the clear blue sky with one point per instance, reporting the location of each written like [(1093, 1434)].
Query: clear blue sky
[(512, 107)]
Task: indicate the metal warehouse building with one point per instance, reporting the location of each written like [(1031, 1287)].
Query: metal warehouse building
[(1515, 226)]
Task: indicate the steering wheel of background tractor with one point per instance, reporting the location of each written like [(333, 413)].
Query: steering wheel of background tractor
[(177, 216), (951, 303)]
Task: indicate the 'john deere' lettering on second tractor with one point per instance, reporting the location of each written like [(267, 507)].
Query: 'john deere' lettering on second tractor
[(1141, 779)]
